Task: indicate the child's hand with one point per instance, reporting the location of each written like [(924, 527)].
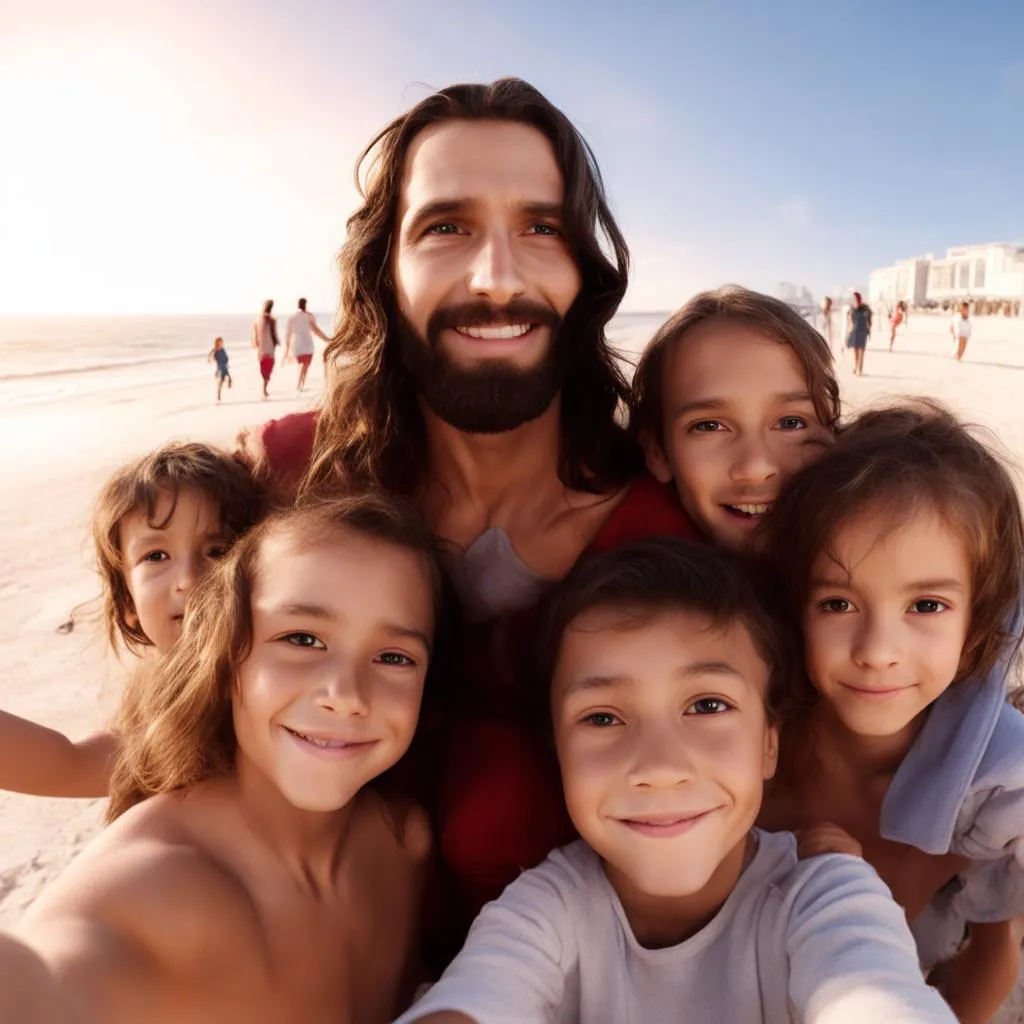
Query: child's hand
[(826, 838)]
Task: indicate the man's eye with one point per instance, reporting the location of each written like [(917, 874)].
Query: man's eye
[(395, 658), (307, 640), (706, 427), (446, 228), (709, 706), (835, 605), (928, 606), (601, 719), (793, 423), (155, 556), (544, 229)]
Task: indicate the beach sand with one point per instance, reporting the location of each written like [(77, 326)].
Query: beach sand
[(55, 457)]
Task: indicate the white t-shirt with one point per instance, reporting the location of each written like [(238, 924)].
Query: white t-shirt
[(961, 327), (819, 940), (300, 333), (264, 336)]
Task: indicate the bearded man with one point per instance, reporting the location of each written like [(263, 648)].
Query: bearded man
[(472, 374)]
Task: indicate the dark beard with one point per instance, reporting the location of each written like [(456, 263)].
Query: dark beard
[(495, 397)]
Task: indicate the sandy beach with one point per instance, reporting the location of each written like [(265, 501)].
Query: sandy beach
[(56, 454)]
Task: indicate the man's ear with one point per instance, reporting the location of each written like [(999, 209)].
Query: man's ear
[(655, 458)]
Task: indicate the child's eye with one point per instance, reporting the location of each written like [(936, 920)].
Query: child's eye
[(155, 556), (706, 427), (446, 228), (928, 606), (601, 719), (793, 423), (396, 659), (708, 706), (217, 551), (835, 605), (299, 639)]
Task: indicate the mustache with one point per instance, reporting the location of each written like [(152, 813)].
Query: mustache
[(485, 314)]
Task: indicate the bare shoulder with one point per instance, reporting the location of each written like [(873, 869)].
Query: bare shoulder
[(152, 888)]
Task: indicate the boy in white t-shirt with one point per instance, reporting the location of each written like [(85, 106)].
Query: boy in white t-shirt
[(667, 662), (960, 328)]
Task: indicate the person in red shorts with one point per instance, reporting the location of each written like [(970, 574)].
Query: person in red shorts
[(472, 373), (264, 340)]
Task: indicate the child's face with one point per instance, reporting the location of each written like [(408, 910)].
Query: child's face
[(162, 567), (329, 696), (664, 745), (738, 420), (885, 640)]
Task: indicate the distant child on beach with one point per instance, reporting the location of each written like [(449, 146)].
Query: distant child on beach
[(159, 525), (960, 328), (666, 662), (733, 394), (219, 353), (902, 548), (897, 317), (251, 870)]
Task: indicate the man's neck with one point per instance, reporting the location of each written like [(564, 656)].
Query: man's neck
[(493, 475)]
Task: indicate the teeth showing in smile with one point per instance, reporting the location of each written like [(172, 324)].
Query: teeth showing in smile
[(497, 333), (751, 510), (322, 744)]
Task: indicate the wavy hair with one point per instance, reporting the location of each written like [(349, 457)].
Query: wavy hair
[(175, 717), (370, 431)]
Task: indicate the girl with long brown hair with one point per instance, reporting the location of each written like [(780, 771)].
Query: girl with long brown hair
[(249, 871)]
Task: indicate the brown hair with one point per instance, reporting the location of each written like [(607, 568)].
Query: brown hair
[(138, 487), (175, 717), (668, 574), (370, 431), (898, 461), (733, 304)]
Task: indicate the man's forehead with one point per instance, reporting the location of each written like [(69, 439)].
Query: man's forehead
[(480, 161)]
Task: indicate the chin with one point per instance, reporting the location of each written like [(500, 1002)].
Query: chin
[(319, 800)]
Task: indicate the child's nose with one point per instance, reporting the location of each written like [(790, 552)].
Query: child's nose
[(753, 462), (343, 691), (661, 759)]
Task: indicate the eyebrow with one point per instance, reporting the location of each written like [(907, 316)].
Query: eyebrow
[(154, 536), (819, 583), (439, 208), (319, 612), (693, 670), (711, 404)]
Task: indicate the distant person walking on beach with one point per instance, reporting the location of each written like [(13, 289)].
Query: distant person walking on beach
[(299, 340), (264, 340), (220, 354), (826, 319), (897, 317), (960, 328), (858, 325)]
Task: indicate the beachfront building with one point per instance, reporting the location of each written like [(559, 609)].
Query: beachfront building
[(990, 277)]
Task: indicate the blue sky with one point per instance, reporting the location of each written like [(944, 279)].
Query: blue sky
[(746, 140)]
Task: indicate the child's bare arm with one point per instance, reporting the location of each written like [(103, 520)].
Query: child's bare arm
[(826, 838), (28, 990), (43, 762), (978, 980)]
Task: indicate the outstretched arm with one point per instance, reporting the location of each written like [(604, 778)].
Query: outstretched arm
[(28, 991), (43, 762)]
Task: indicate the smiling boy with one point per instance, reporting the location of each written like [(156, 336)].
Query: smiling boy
[(665, 665)]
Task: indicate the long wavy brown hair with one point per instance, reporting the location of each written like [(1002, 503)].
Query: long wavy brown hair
[(370, 431), (175, 718)]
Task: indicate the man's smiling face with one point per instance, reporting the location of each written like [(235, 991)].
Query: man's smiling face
[(483, 273)]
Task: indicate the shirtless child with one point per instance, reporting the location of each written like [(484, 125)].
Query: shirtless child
[(249, 873)]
